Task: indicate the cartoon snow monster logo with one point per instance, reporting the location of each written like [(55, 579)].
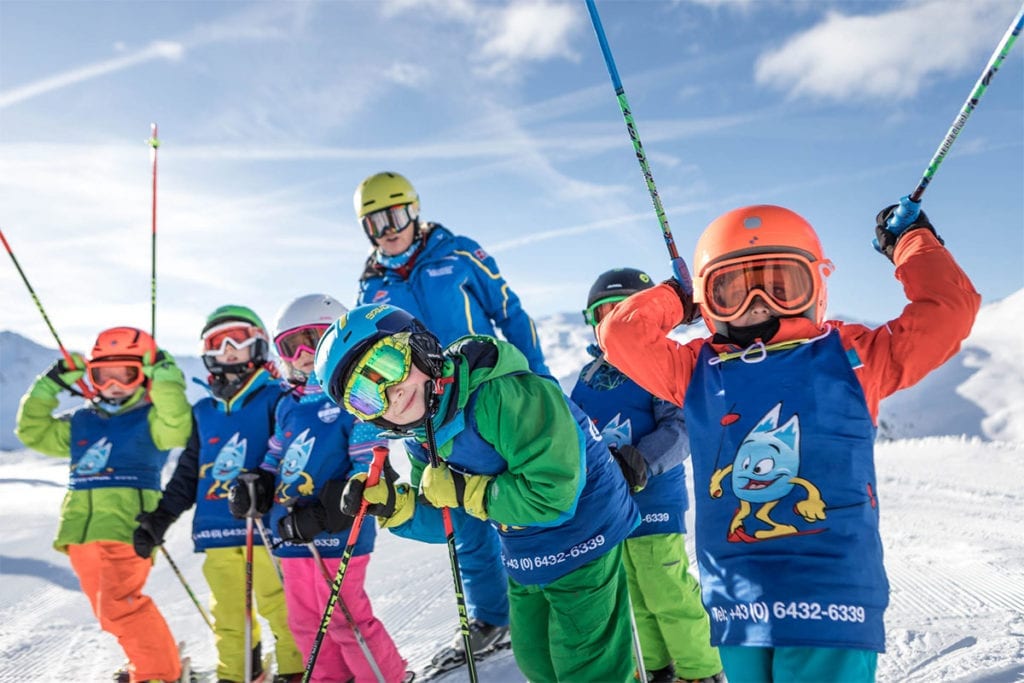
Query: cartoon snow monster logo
[(618, 433), (292, 465), (95, 458), (764, 472), (225, 467)]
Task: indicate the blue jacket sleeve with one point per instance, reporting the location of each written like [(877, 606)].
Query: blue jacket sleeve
[(180, 492), (501, 304), (668, 445)]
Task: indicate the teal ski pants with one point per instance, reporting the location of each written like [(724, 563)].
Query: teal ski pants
[(575, 629), (670, 616), (798, 665)]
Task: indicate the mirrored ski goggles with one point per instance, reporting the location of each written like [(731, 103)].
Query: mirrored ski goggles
[(109, 373), (238, 335), (293, 342), (600, 308), (385, 364), (785, 282), (394, 218)]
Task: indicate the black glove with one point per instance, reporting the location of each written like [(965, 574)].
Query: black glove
[(150, 532), (633, 466), (303, 524), (352, 496), (690, 311), (886, 240), (263, 490)]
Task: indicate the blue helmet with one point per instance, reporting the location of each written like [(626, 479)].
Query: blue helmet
[(351, 335)]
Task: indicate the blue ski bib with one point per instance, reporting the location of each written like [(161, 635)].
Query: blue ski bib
[(229, 442), (321, 442), (786, 508), (114, 451)]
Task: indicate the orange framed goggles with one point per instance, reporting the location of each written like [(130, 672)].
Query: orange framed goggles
[(786, 283), (125, 373)]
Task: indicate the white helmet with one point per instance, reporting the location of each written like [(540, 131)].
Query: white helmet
[(308, 311)]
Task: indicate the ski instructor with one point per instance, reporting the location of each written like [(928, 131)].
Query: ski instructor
[(455, 288)]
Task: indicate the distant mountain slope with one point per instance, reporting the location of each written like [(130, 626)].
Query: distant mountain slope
[(977, 393)]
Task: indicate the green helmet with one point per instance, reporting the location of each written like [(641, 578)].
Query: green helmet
[(218, 331), (230, 312), (382, 190)]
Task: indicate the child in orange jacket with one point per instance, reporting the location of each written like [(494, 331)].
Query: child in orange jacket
[(782, 409)]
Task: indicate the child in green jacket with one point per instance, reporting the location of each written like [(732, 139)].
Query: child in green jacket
[(118, 443)]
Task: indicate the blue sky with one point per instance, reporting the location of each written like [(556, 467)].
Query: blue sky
[(503, 116)]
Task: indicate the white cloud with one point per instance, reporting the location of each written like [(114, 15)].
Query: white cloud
[(534, 31), (891, 55), (156, 50)]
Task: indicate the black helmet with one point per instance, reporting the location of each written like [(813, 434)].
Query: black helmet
[(613, 286)]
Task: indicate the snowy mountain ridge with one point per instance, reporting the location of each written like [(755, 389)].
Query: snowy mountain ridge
[(981, 387)]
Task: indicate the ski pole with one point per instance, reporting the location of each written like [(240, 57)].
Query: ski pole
[(86, 391), (249, 479), (679, 267), (188, 589), (153, 143), (637, 650), (360, 640), (380, 453), (348, 615), (449, 537), (904, 215)]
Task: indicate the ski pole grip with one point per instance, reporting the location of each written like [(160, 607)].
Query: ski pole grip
[(380, 454), (249, 479)]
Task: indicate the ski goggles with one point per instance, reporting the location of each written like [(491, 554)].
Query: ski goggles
[(238, 335), (596, 311), (394, 218), (387, 363), (294, 341), (785, 282), (109, 373)]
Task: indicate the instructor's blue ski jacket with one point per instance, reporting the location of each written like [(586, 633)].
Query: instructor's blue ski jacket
[(454, 288)]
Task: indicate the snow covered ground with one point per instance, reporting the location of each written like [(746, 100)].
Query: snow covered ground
[(950, 508), (949, 488)]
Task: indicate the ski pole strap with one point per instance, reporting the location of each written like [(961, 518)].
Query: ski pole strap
[(679, 268), (994, 62)]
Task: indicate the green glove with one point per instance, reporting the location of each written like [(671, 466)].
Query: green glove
[(162, 368), (60, 376), (447, 489), (392, 503)]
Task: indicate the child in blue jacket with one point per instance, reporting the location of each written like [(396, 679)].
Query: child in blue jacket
[(230, 433)]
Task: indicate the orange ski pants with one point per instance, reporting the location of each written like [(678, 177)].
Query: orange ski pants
[(112, 577)]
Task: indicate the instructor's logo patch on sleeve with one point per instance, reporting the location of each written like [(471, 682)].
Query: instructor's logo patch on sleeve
[(480, 254)]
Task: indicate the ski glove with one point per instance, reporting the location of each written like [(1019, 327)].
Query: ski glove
[(302, 525), (162, 368), (393, 503), (150, 532), (444, 488), (633, 466), (60, 377), (690, 310), (895, 221), (239, 502)]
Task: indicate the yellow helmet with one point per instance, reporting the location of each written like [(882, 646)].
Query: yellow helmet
[(383, 190)]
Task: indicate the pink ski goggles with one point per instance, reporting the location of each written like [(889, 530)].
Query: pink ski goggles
[(293, 342)]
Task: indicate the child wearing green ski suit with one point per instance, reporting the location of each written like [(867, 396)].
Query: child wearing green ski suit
[(511, 449)]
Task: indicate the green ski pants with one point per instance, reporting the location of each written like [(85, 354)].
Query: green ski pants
[(575, 629), (666, 599)]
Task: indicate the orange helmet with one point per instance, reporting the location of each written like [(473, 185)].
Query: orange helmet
[(766, 250), (120, 347)]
